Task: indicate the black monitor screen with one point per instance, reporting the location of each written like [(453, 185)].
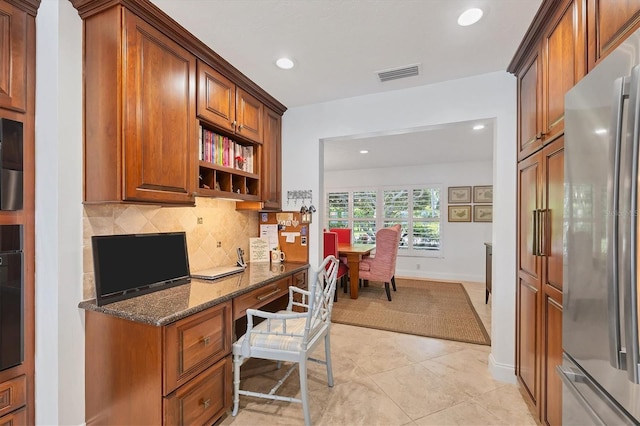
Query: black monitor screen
[(130, 265)]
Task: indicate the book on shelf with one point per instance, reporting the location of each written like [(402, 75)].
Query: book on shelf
[(224, 151)]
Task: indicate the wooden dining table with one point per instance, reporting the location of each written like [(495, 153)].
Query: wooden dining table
[(354, 253)]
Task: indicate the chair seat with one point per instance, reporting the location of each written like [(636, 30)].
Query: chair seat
[(290, 341)]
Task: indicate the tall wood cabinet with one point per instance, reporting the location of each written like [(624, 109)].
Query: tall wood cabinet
[(150, 86), (566, 39), (17, 102)]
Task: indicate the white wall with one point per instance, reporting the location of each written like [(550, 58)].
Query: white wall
[(462, 255), (59, 377), (486, 96)]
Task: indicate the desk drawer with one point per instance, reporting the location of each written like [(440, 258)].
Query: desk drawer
[(203, 399), (16, 418), (260, 297), (13, 394), (196, 342)]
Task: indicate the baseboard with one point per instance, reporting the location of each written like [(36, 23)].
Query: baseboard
[(434, 276), (502, 372)]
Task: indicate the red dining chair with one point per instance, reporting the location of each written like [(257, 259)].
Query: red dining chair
[(382, 266), (344, 237), (331, 249)]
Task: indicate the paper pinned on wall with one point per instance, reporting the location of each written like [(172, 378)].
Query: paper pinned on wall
[(290, 237), (258, 250), (270, 233)]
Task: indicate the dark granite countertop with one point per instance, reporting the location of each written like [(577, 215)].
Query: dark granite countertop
[(166, 306)]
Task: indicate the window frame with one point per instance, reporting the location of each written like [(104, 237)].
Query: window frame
[(379, 219)]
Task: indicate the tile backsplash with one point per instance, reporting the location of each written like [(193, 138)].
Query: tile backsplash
[(220, 223)]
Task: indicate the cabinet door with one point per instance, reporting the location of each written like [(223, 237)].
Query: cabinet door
[(528, 294), (13, 58), (529, 106), (249, 112), (610, 22), (216, 98), (271, 174), (159, 116), (552, 215), (564, 64), (553, 250), (551, 410)]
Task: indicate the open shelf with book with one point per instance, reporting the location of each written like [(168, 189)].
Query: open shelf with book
[(228, 166)]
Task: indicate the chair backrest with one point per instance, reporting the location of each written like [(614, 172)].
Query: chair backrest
[(321, 298), (330, 244), (344, 235), (382, 266)]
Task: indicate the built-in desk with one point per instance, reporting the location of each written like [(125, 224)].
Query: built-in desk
[(164, 358)]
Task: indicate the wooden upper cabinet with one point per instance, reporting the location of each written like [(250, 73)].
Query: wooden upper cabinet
[(272, 161), (564, 46), (159, 116), (140, 125), (223, 104), (13, 58), (530, 105), (216, 98), (610, 22)]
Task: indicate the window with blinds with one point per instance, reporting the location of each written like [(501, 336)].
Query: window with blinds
[(416, 209)]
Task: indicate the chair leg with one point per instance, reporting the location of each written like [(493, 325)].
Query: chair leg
[(236, 384), (327, 357), (302, 366), (393, 282), (386, 288)]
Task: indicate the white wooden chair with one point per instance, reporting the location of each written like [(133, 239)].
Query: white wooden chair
[(290, 336)]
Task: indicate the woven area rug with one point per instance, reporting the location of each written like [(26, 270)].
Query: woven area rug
[(425, 308)]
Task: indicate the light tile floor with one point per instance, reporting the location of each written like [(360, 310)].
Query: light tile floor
[(385, 378)]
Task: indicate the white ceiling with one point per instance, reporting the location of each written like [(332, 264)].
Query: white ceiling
[(339, 46)]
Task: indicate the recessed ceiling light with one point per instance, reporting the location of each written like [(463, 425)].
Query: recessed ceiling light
[(470, 17), (364, 151), (478, 127), (285, 63)]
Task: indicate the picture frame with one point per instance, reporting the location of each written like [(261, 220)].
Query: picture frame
[(460, 213), (483, 212), (483, 194), (459, 194)]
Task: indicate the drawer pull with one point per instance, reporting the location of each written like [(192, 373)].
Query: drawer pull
[(205, 402), (268, 295), (206, 340)]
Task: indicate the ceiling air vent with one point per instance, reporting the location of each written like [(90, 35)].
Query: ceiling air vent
[(397, 73)]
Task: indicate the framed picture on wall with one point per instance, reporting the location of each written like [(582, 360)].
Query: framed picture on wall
[(459, 213), (459, 194), (482, 213), (483, 194)]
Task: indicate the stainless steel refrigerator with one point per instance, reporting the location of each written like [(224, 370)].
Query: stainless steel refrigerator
[(601, 367)]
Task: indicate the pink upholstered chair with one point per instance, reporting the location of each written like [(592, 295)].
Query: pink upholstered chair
[(331, 249), (382, 266)]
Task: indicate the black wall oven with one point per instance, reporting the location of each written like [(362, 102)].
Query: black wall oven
[(11, 296)]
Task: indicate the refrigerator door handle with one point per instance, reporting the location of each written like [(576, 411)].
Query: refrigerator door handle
[(617, 358), (569, 376), (631, 283), (544, 223)]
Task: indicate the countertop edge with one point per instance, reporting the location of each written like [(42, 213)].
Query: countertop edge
[(90, 305)]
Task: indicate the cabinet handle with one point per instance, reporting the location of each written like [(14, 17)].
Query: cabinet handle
[(205, 402), (540, 135), (268, 295), (534, 247), (240, 127), (206, 340), (233, 124), (543, 231)]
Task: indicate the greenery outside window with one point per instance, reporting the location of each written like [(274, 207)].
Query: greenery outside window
[(415, 208)]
